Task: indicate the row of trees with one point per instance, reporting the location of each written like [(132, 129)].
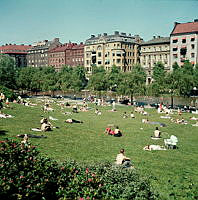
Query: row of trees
[(180, 81)]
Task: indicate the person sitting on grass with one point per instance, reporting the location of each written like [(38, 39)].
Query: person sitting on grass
[(125, 115), (122, 160), (70, 121), (132, 115), (45, 125), (97, 112), (117, 132), (75, 108), (157, 133)]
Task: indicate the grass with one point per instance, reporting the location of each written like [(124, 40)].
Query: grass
[(87, 142)]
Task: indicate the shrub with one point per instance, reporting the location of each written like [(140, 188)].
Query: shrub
[(8, 93), (24, 174)]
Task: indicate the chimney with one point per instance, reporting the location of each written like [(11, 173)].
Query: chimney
[(92, 36), (130, 34), (56, 39), (176, 23), (123, 34), (154, 37), (116, 32), (105, 34), (99, 35), (195, 20)]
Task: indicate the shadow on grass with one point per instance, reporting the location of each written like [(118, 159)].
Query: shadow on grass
[(3, 132)]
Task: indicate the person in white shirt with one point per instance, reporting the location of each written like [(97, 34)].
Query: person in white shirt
[(121, 159), (157, 133)]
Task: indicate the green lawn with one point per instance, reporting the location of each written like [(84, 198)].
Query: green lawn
[(87, 142)]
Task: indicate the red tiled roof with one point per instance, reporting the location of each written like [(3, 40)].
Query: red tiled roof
[(185, 28), (67, 46), (14, 49)]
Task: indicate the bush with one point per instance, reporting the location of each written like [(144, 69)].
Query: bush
[(8, 93), (24, 174)]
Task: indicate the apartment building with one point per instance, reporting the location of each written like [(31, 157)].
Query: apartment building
[(106, 50), (38, 55), (18, 52), (184, 43), (153, 51), (70, 54)]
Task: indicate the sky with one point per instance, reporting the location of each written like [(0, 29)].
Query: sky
[(29, 21)]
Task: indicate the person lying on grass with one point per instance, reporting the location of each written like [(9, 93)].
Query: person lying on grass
[(153, 147), (109, 131), (122, 160), (31, 136), (70, 121)]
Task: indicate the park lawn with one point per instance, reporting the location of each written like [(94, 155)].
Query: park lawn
[(87, 142)]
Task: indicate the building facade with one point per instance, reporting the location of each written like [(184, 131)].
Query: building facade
[(70, 54), (105, 50), (153, 51), (18, 52), (38, 54), (184, 43)]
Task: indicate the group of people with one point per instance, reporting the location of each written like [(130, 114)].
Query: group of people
[(125, 115), (116, 132)]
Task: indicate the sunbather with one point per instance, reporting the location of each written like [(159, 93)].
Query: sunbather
[(153, 147), (73, 121), (121, 159)]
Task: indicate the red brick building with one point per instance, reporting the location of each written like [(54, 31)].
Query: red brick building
[(70, 54), (18, 52)]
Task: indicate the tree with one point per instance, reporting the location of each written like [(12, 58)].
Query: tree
[(159, 75), (133, 83), (113, 78), (65, 78), (25, 76), (7, 72), (79, 80), (98, 80)]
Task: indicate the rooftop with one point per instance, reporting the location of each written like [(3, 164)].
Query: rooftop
[(157, 40), (14, 49), (190, 27), (66, 46), (116, 37)]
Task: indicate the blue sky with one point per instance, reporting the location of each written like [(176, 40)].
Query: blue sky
[(28, 21)]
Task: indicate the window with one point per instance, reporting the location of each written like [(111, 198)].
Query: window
[(113, 54), (183, 51), (87, 62), (118, 60), (192, 39), (174, 55), (99, 62), (192, 46), (99, 54), (174, 49), (175, 40), (192, 55), (183, 40), (99, 48)]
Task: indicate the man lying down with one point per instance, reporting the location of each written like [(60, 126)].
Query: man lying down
[(31, 136)]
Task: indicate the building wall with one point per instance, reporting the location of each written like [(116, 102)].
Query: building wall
[(67, 55), (38, 54), (153, 53), (57, 59), (109, 54), (184, 41)]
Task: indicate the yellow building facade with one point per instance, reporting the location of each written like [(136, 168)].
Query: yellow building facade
[(108, 50)]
